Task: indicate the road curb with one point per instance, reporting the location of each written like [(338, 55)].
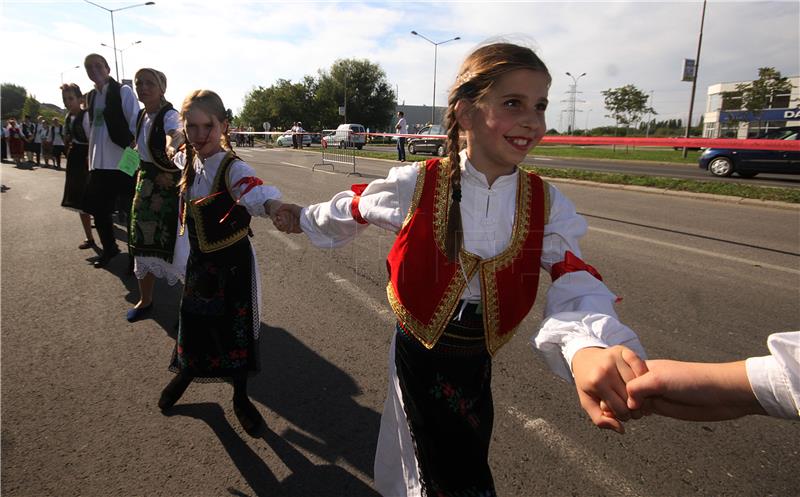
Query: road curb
[(677, 193)]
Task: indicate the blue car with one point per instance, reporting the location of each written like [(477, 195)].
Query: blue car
[(748, 163)]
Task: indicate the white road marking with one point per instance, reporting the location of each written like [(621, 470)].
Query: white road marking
[(542, 158), (590, 465), (285, 239), (360, 295), (732, 258), (295, 165)]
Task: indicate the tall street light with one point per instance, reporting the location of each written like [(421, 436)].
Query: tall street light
[(67, 70), (113, 33), (120, 50), (574, 93), (694, 76), (435, 54)]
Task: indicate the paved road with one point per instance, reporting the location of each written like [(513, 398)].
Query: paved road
[(700, 280), (642, 168)]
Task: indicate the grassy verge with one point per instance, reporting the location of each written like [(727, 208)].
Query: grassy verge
[(686, 185), (621, 153)]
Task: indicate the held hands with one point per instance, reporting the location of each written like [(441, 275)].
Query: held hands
[(601, 376), (694, 391), (285, 217)]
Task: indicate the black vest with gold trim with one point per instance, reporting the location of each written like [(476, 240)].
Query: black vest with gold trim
[(157, 140), (212, 234)]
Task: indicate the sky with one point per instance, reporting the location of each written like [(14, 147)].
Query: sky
[(234, 46)]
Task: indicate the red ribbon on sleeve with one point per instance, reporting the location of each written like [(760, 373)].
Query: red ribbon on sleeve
[(358, 189), (250, 181), (571, 264)]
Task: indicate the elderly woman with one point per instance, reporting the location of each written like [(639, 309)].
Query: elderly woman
[(154, 216)]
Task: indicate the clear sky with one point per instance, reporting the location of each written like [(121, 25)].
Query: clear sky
[(232, 46)]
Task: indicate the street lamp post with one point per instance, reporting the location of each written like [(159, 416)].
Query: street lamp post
[(70, 69), (435, 55), (694, 76), (572, 100), (120, 50), (113, 33)]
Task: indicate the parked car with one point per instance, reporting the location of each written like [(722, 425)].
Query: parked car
[(748, 163), (285, 140), (346, 135), (431, 145)]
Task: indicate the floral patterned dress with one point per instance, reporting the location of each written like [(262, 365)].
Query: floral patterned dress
[(154, 216)]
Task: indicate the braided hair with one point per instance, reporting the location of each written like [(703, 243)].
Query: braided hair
[(210, 103), (477, 74)]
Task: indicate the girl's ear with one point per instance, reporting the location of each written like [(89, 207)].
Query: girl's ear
[(465, 111)]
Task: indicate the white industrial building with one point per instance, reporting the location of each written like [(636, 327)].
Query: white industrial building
[(725, 118)]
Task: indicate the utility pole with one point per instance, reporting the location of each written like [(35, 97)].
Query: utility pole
[(573, 92), (694, 78)]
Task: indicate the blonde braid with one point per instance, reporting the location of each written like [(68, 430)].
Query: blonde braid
[(454, 235), (187, 178)]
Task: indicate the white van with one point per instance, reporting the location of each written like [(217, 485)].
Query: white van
[(347, 136)]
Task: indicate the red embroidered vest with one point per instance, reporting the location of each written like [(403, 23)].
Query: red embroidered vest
[(424, 287)]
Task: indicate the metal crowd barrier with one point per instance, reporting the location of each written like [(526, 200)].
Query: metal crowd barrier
[(343, 153)]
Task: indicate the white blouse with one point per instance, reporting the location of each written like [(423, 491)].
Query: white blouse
[(579, 311), (206, 171), (172, 122), (103, 153), (775, 379)]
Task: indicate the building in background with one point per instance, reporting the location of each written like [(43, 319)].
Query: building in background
[(417, 116), (725, 117)]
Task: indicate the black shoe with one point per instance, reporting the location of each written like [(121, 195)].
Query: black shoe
[(173, 391), (248, 417), (105, 258)]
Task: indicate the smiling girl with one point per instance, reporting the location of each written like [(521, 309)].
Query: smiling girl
[(473, 231)]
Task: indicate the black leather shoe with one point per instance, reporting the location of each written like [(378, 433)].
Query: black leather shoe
[(105, 258), (248, 417)]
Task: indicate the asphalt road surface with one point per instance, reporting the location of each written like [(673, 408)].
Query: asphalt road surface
[(700, 280)]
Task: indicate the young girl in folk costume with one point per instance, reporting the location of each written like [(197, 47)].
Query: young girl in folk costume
[(154, 215), (76, 135), (219, 317), (473, 231)]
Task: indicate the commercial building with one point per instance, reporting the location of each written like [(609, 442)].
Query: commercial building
[(725, 117)]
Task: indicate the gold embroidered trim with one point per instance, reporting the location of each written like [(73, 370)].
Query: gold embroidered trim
[(546, 192), (202, 238), (421, 170), (441, 203)]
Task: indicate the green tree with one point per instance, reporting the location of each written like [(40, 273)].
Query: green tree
[(626, 105), (31, 107), (759, 94), (13, 98), (362, 87)]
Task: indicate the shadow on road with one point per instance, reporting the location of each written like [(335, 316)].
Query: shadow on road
[(315, 397)]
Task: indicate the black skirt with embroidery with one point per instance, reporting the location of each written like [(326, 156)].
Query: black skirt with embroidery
[(447, 398), (217, 336), (76, 177)]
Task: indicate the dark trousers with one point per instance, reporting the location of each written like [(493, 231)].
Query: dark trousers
[(401, 149), (105, 187)]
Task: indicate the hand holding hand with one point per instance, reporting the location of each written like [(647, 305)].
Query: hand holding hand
[(694, 391), (286, 217), (600, 379)]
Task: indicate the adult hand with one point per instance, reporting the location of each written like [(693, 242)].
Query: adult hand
[(600, 379)]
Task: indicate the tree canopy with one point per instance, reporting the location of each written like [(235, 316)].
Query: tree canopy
[(626, 104), (359, 85), (13, 98), (759, 94)]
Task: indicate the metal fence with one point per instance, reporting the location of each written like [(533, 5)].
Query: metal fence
[(344, 153)]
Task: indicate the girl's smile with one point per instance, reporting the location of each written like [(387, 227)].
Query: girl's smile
[(507, 122), (204, 132)]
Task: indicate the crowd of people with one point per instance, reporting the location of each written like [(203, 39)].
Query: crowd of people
[(472, 231), (39, 139)]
